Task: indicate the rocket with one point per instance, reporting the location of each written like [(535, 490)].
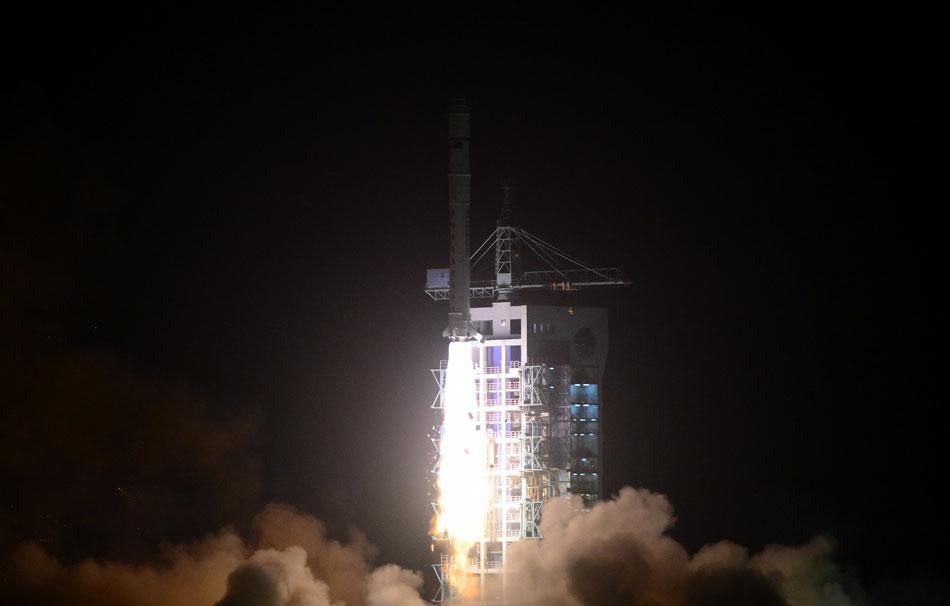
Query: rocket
[(460, 198)]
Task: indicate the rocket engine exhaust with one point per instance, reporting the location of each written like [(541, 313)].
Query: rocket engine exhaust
[(460, 197)]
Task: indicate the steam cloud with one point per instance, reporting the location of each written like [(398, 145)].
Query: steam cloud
[(292, 563), (618, 553)]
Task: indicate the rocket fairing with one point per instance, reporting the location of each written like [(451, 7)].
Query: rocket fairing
[(460, 197)]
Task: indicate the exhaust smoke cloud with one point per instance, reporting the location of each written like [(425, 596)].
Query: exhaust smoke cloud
[(291, 563), (619, 553)]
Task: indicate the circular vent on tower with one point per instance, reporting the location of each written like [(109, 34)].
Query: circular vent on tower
[(584, 342)]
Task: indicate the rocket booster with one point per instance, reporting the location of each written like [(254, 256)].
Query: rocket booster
[(460, 197)]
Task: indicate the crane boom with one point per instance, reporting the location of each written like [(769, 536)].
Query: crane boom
[(557, 278)]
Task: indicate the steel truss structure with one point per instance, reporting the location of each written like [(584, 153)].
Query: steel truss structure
[(565, 273), (540, 443), (516, 416)]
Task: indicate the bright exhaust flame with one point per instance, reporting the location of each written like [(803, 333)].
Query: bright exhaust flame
[(462, 480)]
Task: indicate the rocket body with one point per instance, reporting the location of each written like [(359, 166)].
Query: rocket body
[(460, 199)]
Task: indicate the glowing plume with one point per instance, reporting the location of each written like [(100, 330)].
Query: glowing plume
[(462, 478)]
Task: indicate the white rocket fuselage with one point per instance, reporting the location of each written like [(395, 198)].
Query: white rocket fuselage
[(460, 198)]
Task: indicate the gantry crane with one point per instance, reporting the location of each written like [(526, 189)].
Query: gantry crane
[(564, 273)]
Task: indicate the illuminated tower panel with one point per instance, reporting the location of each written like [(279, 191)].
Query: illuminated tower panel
[(538, 371)]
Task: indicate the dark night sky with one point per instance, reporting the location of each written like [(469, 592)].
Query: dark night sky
[(233, 212)]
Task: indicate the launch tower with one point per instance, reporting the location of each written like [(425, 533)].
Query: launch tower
[(538, 378)]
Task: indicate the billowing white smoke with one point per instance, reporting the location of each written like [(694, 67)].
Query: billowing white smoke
[(619, 553), (292, 563), (616, 554), (272, 577)]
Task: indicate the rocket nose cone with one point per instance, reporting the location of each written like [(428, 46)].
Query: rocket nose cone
[(459, 106)]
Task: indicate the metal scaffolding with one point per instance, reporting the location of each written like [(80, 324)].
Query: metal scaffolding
[(515, 413), (564, 272)]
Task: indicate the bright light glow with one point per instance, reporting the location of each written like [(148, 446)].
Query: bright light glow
[(463, 482)]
